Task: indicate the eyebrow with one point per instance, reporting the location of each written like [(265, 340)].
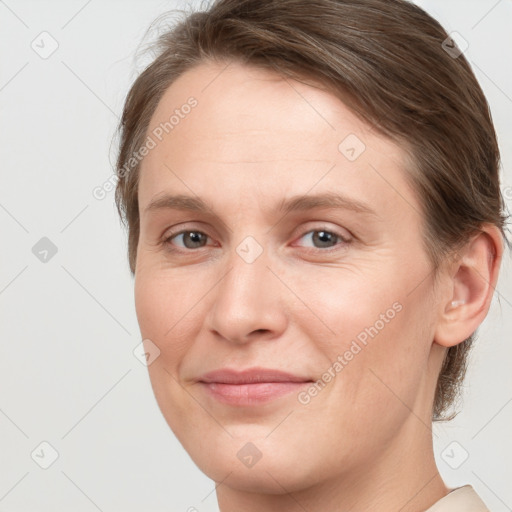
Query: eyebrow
[(292, 204)]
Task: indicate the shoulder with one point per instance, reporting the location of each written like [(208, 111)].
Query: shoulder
[(462, 499)]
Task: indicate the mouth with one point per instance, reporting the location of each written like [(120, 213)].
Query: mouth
[(251, 387)]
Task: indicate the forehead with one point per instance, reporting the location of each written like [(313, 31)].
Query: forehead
[(254, 132)]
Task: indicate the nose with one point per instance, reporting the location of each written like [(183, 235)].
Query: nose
[(248, 302)]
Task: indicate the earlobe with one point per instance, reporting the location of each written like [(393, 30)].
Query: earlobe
[(471, 283)]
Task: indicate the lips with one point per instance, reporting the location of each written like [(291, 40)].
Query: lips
[(250, 387), (251, 376)]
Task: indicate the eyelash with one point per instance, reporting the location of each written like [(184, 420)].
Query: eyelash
[(343, 241)]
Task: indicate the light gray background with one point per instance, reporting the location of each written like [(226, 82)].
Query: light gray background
[(68, 375)]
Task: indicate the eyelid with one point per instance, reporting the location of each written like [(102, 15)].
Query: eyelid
[(322, 225), (184, 227)]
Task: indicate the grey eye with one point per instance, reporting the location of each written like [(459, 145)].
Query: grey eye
[(191, 239), (322, 238)]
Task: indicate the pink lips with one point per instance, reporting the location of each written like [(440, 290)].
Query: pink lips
[(250, 387)]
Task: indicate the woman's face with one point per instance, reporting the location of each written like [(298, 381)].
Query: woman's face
[(296, 246)]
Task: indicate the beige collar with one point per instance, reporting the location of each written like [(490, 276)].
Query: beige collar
[(462, 499)]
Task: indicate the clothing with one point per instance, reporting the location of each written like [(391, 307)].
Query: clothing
[(462, 499)]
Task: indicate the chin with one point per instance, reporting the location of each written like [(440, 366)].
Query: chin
[(265, 477), (274, 468)]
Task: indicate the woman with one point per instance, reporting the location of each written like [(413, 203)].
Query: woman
[(315, 229)]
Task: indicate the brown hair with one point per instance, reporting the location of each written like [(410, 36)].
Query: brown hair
[(387, 60)]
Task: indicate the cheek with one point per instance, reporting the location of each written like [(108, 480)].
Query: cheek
[(165, 312), (150, 303), (374, 336), (349, 306), (165, 317)]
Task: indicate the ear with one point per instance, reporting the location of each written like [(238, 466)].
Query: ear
[(470, 285)]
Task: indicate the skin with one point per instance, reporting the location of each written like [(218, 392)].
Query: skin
[(364, 442)]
